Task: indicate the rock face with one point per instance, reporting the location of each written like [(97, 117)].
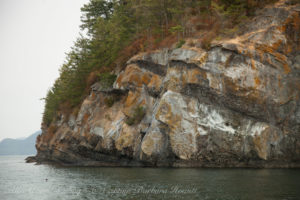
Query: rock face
[(235, 105)]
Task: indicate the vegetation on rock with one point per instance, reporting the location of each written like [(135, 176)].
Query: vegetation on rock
[(118, 29), (137, 115), (107, 80), (109, 101), (226, 97)]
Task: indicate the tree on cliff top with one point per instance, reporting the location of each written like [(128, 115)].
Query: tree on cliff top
[(111, 25)]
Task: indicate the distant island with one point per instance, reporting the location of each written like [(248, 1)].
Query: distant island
[(24, 146)]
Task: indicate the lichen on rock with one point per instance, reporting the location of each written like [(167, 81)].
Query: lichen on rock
[(235, 105)]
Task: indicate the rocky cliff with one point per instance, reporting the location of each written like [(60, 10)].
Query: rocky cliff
[(234, 105)]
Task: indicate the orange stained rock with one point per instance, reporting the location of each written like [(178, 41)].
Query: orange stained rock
[(253, 64), (155, 82), (203, 59), (260, 146), (230, 85), (93, 96), (294, 22), (166, 114), (261, 55), (279, 82), (146, 78), (119, 79), (269, 49), (278, 56), (135, 78), (131, 98), (257, 81), (85, 117), (289, 49), (133, 74), (276, 44), (286, 68), (194, 74)]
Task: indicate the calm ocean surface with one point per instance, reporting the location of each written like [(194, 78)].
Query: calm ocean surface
[(19, 180)]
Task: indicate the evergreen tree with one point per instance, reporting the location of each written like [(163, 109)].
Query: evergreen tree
[(111, 25)]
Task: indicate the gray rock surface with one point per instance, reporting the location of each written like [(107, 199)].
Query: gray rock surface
[(235, 105)]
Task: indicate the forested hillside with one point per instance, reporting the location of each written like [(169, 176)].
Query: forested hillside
[(115, 30)]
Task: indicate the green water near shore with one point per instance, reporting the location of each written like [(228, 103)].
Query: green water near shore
[(19, 180)]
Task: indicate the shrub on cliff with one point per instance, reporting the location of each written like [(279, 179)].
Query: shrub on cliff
[(107, 80), (137, 116), (109, 101)]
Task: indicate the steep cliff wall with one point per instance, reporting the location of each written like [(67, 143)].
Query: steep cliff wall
[(234, 105)]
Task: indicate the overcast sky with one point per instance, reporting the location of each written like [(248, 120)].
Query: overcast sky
[(34, 37)]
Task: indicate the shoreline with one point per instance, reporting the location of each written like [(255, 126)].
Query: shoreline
[(173, 165)]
